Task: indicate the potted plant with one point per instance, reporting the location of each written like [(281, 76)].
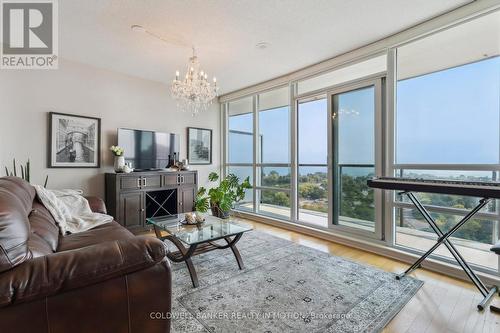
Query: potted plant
[(222, 198), (25, 172)]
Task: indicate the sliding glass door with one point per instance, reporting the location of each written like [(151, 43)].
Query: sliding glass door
[(355, 139), (312, 170)]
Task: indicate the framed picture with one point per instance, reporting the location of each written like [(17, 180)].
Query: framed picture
[(74, 141), (199, 145)]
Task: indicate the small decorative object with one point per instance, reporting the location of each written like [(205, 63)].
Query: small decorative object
[(179, 166), (221, 199), (185, 165), (193, 93), (128, 168), (193, 218), (75, 141), (119, 158), (199, 145), (172, 160), (199, 218), (190, 219), (25, 171)]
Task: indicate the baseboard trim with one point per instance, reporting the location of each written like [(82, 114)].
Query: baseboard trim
[(376, 247)]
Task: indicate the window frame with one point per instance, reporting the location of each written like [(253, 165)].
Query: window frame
[(388, 121)]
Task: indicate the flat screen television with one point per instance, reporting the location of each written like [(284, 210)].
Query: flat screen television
[(147, 150)]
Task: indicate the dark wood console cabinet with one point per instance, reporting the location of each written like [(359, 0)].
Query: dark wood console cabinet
[(132, 197)]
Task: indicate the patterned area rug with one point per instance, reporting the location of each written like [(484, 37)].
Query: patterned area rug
[(285, 287)]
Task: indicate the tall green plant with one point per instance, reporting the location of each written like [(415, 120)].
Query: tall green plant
[(224, 196), (25, 171)]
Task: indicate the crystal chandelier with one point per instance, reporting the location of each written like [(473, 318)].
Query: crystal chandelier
[(194, 93)]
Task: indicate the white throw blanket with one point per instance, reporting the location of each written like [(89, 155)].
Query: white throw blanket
[(70, 210)]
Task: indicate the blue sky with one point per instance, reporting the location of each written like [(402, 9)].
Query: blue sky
[(451, 116)]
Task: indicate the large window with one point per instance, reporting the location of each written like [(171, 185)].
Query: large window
[(273, 155), (355, 134), (240, 144), (448, 127), (240, 136), (309, 161), (312, 137), (263, 153), (450, 116)]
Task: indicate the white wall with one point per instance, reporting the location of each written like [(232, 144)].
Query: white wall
[(119, 100)]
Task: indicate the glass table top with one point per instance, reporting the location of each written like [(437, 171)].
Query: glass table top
[(212, 229)]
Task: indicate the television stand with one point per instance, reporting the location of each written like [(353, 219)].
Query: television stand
[(133, 197)]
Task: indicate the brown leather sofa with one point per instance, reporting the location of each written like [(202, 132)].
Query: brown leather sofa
[(102, 280)]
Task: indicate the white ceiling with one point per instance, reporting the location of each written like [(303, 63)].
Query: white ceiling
[(300, 33)]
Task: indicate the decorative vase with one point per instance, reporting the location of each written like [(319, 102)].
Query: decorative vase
[(119, 163), (217, 212)]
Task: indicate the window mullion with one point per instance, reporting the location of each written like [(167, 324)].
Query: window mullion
[(256, 178)]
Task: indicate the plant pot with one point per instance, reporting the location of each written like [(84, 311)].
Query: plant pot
[(217, 212), (119, 163)]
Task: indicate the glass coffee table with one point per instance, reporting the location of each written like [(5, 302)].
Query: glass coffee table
[(192, 240)]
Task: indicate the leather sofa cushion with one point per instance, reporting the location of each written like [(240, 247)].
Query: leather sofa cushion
[(38, 246), (58, 272), (43, 225), (16, 200), (105, 232)]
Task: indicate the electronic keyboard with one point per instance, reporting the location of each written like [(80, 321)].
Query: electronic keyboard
[(481, 189), (486, 190)]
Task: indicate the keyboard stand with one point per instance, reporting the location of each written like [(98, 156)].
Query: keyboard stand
[(443, 239)]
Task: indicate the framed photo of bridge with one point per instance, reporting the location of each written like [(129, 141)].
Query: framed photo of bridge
[(199, 150), (74, 141)]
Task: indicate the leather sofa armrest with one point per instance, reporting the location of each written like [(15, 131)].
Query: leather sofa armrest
[(48, 275), (97, 205)]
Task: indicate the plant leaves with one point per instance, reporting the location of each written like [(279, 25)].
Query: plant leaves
[(213, 176)]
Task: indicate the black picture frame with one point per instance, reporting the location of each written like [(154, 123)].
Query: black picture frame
[(55, 147), (196, 152)]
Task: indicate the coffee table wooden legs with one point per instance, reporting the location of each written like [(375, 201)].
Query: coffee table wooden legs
[(236, 253), (185, 254), (192, 273)]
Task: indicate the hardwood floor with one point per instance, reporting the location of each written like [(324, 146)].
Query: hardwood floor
[(443, 304)]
